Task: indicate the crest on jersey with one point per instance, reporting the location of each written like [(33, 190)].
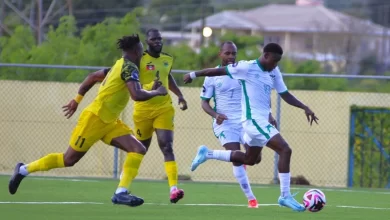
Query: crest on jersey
[(150, 66), (218, 82), (166, 63)]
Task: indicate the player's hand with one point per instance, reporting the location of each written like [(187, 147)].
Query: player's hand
[(310, 116), (272, 120), (187, 78), (162, 90), (220, 118), (70, 108), (156, 84), (182, 103)]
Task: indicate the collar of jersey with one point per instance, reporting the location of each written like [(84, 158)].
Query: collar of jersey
[(258, 63), (147, 52)]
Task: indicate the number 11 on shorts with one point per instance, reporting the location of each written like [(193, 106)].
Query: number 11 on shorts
[(81, 143)]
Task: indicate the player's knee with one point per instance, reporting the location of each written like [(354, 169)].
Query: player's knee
[(166, 148), (286, 150), (140, 149), (250, 161), (258, 160)]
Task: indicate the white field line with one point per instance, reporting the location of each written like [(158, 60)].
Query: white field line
[(166, 204), (232, 185)]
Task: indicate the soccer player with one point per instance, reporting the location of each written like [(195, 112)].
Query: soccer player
[(258, 77), (227, 126), (100, 121), (157, 114)]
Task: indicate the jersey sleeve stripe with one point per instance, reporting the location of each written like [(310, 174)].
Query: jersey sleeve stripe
[(281, 93), (205, 98), (228, 73)]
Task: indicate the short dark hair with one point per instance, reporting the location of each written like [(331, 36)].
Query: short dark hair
[(226, 42), (151, 30), (273, 48), (128, 42)]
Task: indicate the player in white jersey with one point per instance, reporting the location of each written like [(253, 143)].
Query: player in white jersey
[(258, 77), (227, 126)]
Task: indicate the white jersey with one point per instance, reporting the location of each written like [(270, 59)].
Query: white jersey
[(226, 93), (256, 88)]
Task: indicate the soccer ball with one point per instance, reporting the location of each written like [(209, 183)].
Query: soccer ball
[(314, 200)]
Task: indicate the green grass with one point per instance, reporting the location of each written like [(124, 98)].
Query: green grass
[(156, 192)]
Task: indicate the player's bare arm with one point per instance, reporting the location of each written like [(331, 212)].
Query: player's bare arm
[(139, 94), (271, 118), (210, 111), (85, 86), (205, 72), (291, 100), (175, 89)]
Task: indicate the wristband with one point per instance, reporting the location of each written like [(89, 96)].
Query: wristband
[(78, 98), (192, 75)]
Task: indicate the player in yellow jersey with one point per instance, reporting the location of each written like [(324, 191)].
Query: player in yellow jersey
[(157, 114), (100, 121)]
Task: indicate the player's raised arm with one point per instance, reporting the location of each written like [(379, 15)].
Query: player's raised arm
[(205, 72), (85, 86), (234, 71)]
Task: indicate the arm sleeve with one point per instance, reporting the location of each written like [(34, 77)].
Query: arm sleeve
[(207, 89), (279, 84), (238, 70), (130, 73)]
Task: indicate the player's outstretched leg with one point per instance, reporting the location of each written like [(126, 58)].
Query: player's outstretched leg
[(251, 157), (48, 162), (135, 153), (201, 157), (280, 146)]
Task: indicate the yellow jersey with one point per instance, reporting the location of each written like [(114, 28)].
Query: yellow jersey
[(150, 69), (113, 94)]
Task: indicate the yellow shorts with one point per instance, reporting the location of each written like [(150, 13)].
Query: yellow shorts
[(145, 122), (90, 129)]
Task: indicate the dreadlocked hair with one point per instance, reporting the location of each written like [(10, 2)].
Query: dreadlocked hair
[(128, 42)]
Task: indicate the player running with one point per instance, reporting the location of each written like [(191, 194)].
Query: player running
[(100, 121), (258, 77), (227, 126), (157, 114)]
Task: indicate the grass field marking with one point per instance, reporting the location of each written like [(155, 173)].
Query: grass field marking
[(318, 187), (64, 179), (188, 204), (53, 203), (361, 207)]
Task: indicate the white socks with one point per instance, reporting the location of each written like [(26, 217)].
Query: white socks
[(223, 155), (240, 174), (120, 190), (284, 179), (23, 170)]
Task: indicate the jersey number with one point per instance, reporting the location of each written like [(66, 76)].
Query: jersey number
[(81, 143), (139, 133), (231, 96)]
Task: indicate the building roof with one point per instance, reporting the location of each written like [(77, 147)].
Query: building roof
[(290, 18)]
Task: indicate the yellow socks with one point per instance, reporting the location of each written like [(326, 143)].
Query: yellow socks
[(172, 173), (130, 170), (50, 161)]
